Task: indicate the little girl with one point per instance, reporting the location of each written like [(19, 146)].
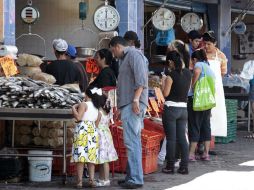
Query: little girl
[(107, 152), (86, 139)]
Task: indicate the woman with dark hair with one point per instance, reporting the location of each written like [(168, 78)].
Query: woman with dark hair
[(182, 49), (218, 63), (132, 39), (199, 121), (106, 77), (175, 89)]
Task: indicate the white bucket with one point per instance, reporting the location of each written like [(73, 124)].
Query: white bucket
[(40, 167)]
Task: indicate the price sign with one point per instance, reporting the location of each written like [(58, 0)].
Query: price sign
[(159, 95), (8, 66), (154, 104)]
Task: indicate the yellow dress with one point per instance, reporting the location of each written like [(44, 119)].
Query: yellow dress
[(86, 138)]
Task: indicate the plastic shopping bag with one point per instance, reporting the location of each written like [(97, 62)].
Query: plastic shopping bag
[(204, 94)]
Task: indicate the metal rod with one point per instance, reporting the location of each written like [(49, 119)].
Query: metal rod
[(34, 155), (249, 110), (240, 17), (64, 147), (13, 133)]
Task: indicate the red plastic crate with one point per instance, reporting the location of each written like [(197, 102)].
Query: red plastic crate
[(57, 166), (150, 149), (154, 126), (150, 138), (149, 159)]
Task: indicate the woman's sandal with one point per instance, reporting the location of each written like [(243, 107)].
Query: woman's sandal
[(251, 136)]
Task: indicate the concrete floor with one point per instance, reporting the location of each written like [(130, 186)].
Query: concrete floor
[(228, 157)]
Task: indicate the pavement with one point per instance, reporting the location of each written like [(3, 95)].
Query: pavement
[(228, 158)]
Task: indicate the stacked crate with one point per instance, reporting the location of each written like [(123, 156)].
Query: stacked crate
[(231, 107), (150, 148)]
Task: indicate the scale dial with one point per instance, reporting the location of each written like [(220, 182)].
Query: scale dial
[(29, 14), (191, 21), (164, 19), (106, 18)]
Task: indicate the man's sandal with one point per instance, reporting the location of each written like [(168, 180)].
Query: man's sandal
[(251, 136)]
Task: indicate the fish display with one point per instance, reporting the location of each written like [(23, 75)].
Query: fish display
[(21, 92)]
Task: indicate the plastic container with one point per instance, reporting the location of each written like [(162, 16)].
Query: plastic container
[(150, 149), (231, 106), (154, 126), (40, 167)]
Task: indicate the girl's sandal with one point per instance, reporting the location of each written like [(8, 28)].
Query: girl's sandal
[(79, 185), (92, 183)]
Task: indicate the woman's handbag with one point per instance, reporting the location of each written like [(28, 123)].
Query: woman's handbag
[(204, 93)]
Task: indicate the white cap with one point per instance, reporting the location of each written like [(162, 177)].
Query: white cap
[(60, 45)]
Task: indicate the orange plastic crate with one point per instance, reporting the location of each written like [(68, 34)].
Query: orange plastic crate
[(149, 159), (57, 166), (150, 149), (154, 126)]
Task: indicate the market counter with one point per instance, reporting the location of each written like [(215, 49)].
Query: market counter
[(40, 115)]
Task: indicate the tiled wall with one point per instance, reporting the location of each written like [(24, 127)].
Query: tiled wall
[(58, 19)]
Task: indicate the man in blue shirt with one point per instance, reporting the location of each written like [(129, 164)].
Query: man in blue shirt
[(132, 96)]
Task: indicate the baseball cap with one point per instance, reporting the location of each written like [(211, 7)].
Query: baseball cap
[(60, 45), (130, 35), (194, 34), (71, 51)]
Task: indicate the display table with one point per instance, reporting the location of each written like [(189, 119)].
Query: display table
[(39, 115)]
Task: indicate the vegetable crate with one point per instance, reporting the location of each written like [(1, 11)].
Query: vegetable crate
[(231, 107), (150, 149)]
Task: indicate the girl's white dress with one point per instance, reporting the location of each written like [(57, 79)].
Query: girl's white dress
[(107, 152)]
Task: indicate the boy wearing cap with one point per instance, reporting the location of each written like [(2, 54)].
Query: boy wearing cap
[(71, 55), (64, 71)]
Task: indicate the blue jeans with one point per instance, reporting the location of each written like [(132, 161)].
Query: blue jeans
[(132, 125)]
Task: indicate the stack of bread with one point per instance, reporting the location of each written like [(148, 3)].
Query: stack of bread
[(29, 66), (47, 134)]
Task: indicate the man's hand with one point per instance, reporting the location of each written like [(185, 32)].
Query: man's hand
[(135, 107)]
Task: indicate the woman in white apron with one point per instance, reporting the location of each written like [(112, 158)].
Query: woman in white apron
[(218, 64)]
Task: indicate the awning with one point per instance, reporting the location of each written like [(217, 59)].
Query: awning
[(186, 5)]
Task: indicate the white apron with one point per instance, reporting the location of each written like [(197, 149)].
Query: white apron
[(219, 115)]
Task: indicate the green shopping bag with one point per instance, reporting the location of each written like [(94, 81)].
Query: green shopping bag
[(204, 93)]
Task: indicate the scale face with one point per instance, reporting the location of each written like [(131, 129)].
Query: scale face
[(191, 21), (240, 28), (164, 19), (106, 18), (29, 14)]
